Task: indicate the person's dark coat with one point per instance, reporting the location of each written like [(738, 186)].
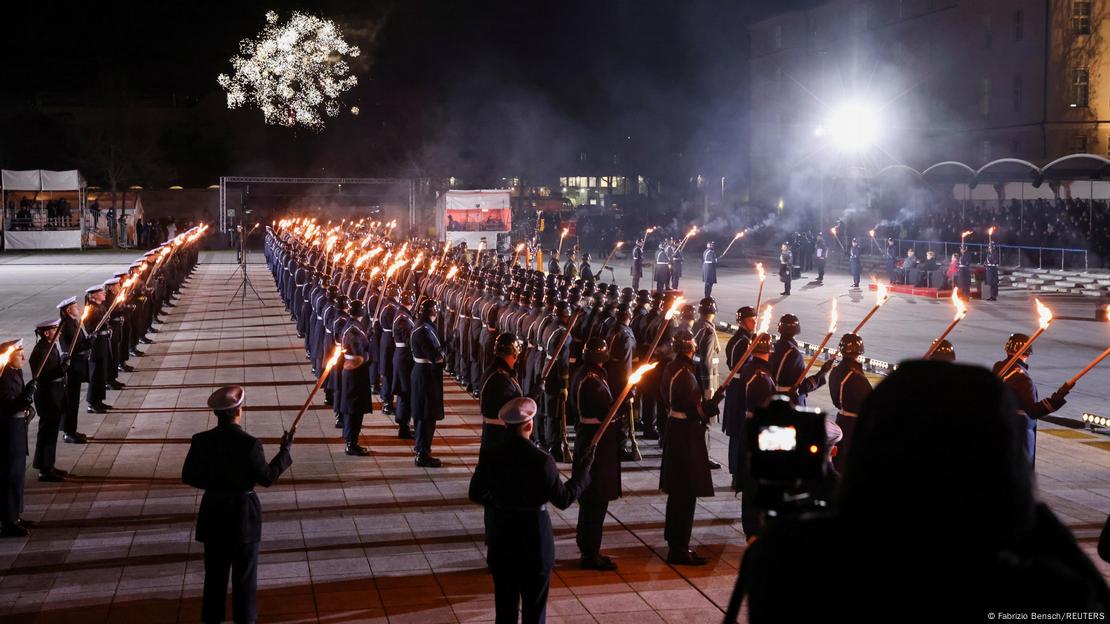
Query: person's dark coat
[(14, 400), (589, 403), (515, 481), (981, 543), (227, 462), (685, 465)]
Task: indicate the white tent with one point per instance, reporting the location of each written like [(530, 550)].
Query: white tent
[(37, 232)]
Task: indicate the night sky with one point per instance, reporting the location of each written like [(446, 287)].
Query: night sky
[(474, 89)]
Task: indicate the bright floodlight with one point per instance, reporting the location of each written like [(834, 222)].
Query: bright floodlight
[(851, 127)]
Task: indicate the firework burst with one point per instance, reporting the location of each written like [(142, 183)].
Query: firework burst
[(294, 71)]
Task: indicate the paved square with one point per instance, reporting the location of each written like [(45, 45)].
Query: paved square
[(345, 539)]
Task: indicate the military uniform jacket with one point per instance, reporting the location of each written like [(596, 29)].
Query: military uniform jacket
[(515, 481), (355, 395), (637, 269), (676, 263), (709, 266), (732, 416), (787, 365), (622, 347), (759, 386), (553, 266), (498, 387), (587, 272), (589, 401), (227, 462), (662, 266), (402, 355), (786, 266), (570, 270), (707, 355), (1019, 382), (685, 465), (427, 378), (848, 387), (557, 379)]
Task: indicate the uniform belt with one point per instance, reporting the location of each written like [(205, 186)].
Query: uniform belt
[(422, 360), (348, 356), (400, 345), (319, 318), (678, 415), (708, 261), (327, 330), (590, 421), (104, 332), (848, 414), (1022, 413), (85, 352), (783, 388), (661, 263), (388, 331), (493, 421)]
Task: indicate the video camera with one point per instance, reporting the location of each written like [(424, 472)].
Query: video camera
[(787, 443)]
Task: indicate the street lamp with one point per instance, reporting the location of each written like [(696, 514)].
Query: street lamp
[(851, 126)]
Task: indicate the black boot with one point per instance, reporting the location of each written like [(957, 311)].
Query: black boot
[(356, 450)]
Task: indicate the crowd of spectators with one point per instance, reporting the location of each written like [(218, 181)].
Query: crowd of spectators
[(29, 214)]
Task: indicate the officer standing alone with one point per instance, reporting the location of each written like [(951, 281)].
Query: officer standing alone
[(48, 360), (15, 399), (637, 263), (515, 481), (227, 463), (709, 268), (427, 382)]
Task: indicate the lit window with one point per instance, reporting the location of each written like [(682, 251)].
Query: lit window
[(1081, 17), (1077, 144), (1080, 87)]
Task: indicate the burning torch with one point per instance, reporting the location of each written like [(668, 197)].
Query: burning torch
[(961, 312), (1044, 319)]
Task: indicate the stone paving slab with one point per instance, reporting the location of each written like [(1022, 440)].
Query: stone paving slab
[(355, 539)]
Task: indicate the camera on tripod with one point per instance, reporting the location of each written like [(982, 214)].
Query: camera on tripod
[(788, 444)]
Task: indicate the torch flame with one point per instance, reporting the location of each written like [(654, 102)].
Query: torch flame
[(961, 307), (765, 320), (881, 293), (519, 247), (394, 267), (432, 269), (564, 234), (965, 234), (832, 231), (649, 230), (1108, 312), (738, 235), (362, 260), (334, 357), (373, 252), (417, 260), (638, 374), (452, 272), (619, 243), (693, 230), (85, 312), (990, 231), (871, 233), (6, 356), (404, 248), (375, 271), (760, 271), (833, 318), (674, 307), (330, 242), (1044, 314)]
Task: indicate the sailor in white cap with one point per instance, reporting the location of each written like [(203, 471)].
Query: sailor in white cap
[(74, 342), (48, 366), (100, 350), (515, 480), (15, 402), (227, 463)]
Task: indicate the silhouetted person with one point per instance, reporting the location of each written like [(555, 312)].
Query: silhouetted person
[(935, 514)]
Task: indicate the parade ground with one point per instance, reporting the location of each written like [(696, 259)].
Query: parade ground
[(376, 539)]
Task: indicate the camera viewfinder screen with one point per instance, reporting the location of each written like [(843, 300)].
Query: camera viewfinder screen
[(774, 438)]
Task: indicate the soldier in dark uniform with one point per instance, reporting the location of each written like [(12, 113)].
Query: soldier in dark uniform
[(15, 400), (963, 272), (890, 260), (733, 416), (820, 256), (848, 387), (354, 399), (709, 267), (759, 386), (385, 349), (855, 263), (944, 352), (991, 261), (786, 268), (227, 463), (788, 363), (498, 387), (622, 348), (78, 370), (570, 267), (637, 269), (662, 268), (1018, 380), (707, 356), (427, 382), (590, 400), (555, 385), (585, 270), (50, 398), (403, 325), (684, 472), (100, 351), (515, 481), (553, 263)]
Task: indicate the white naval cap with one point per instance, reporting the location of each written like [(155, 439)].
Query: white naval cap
[(68, 301)]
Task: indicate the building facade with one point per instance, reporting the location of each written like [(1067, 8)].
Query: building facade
[(942, 80)]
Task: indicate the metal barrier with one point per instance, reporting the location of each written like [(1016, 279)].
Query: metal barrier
[(1016, 254)]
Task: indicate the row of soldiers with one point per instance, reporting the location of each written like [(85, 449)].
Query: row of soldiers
[(544, 353), (89, 343)]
